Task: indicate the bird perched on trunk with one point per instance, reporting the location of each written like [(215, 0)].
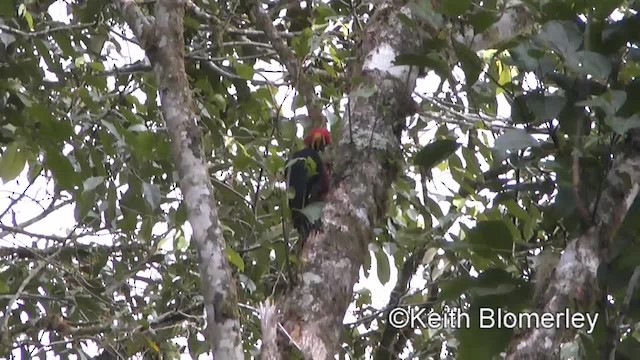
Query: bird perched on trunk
[(309, 177)]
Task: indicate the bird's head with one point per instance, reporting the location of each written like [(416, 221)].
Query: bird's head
[(318, 139)]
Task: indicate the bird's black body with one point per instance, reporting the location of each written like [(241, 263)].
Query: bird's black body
[(309, 185)]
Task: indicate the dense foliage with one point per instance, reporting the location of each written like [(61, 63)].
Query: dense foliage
[(478, 218)]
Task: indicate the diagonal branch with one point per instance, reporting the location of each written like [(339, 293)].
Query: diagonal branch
[(20, 227), (41, 33), (4, 328), (288, 58), (575, 278)]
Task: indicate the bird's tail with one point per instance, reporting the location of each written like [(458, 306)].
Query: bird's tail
[(303, 226)]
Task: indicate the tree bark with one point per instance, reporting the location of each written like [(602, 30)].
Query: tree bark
[(331, 259), (371, 160), (574, 281), (163, 40)]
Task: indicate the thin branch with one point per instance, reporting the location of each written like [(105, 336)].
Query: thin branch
[(16, 200), (198, 13), (4, 329), (33, 34), (288, 58), (17, 230), (390, 333), (251, 32), (52, 208), (446, 112), (255, 44)]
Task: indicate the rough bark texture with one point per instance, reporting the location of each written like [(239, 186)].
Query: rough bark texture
[(314, 310), (164, 43), (575, 279), (269, 327)]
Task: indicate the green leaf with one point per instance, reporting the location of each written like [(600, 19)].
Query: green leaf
[(97, 40), (384, 270), (181, 243), (515, 139), (152, 195), (3, 286), (244, 71), (29, 18), (452, 289), (234, 258), (481, 343), (146, 229), (220, 102), (311, 166), (301, 43), (323, 11), (501, 289), (622, 126), (138, 128), (432, 61), (453, 7), (490, 238), (561, 36), (63, 171), (7, 8), (504, 75), (610, 102), (494, 288), (64, 41), (483, 19), (436, 152), (590, 63), (92, 183), (546, 107), (516, 210), (629, 347), (363, 91), (423, 10), (12, 162), (112, 129), (471, 63), (429, 255), (79, 61), (262, 261)]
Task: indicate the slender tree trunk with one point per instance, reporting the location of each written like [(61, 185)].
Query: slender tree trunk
[(163, 40)]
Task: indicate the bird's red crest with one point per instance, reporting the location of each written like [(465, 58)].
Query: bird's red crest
[(318, 138)]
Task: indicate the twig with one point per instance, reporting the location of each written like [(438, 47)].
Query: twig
[(15, 201), (255, 44), (390, 333), (4, 330), (39, 217), (17, 230), (50, 31), (288, 59)]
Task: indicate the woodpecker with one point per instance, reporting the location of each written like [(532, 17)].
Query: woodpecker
[(309, 177)]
